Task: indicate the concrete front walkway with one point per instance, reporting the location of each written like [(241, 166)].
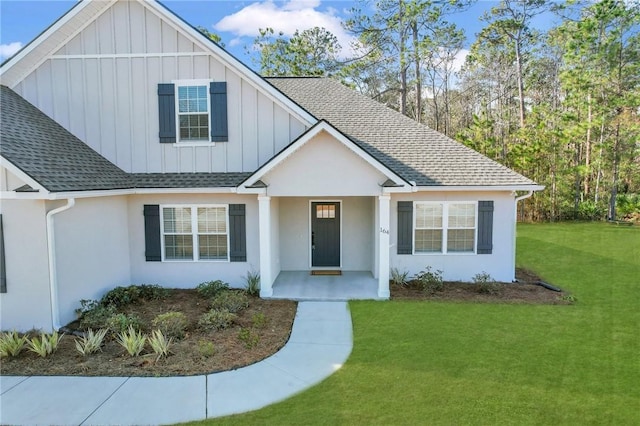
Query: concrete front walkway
[(301, 285), (320, 342)]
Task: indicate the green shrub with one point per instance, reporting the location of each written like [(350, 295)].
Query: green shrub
[(133, 341), (94, 315), (232, 301), (160, 344), (153, 292), (258, 320), (46, 344), (252, 283), (430, 281), (399, 278), (627, 204), (120, 322), (486, 284), (216, 319), (91, 342), (249, 338), (11, 344), (173, 324), (206, 348), (121, 296), (210, 289)]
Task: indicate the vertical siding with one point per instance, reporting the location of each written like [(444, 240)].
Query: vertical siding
[(99, 89)]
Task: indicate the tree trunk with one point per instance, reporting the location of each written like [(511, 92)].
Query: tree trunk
[(416, 53), (520, 81)]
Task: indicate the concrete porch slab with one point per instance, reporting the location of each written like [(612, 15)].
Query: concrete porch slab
[(301, 285)]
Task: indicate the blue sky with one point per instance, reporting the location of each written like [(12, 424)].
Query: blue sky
[(236, 21)]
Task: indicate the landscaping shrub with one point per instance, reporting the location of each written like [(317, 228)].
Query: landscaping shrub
[(210, 289), (206, 348), (216, 319), (259, 320), (399, 278), (91, 342), (160, 344), (95, 315), (152, 292), (121, 296), (173, 324), (119, 323), (11, 344), (46, 344), (249, 338), (133, 341), (430, 281), (486, 284), (232, 301), (252, 283)]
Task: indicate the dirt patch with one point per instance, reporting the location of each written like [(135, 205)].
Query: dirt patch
[(188, 356), (524, 291)]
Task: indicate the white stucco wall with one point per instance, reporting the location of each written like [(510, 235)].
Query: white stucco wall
[(26, 304), (92, 251), (188, 274), (357, 239), (462, 266)]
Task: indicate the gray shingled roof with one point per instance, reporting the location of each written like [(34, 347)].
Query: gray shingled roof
[(412, 150), (59, 161)]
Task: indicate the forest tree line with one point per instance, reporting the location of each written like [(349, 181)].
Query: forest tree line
[(560, 106)]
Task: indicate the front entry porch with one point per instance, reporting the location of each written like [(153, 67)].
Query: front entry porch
[(301, 285)]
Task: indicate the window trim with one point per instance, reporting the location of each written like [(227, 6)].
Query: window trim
[(194, 232), (188, 83), (445, 228)]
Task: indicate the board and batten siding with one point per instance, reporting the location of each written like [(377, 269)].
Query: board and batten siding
[(102, 87)]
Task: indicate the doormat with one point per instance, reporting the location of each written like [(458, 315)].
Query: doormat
[(326, 272)]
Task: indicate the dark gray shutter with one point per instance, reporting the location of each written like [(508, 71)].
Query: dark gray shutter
[(485, 227), (3, 266), (219, 128), (405, 227), (167, 112), (153, 251), (237, 233)]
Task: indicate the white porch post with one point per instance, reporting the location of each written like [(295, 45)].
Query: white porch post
[(384, 202), (264, 214)]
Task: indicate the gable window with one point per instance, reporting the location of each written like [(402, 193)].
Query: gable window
[(444, 227), (195, 232), (193, 113)]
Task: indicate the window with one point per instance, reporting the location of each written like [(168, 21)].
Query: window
[(193, 113), (445, 227), (326, 211), (195, 233)]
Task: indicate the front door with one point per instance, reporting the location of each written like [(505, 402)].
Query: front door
[(325, 234)]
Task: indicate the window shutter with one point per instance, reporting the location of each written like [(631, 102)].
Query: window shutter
[(3, 266), (405, 227), (218, 95), (153, 251), (237, 233), (485, 227), (167, 112)]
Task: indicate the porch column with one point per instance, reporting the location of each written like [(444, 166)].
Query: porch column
[(384, 202), (264, 214)]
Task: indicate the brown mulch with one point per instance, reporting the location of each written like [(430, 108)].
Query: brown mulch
[(187, 357), (524, 291)]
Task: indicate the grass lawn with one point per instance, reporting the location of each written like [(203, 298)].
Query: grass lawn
[(458, 363)]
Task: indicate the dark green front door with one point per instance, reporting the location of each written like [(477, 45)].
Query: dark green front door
[(325, 234)]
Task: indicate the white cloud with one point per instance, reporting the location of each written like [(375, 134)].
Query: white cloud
[(286, 18), (458, 62), (7, 50)]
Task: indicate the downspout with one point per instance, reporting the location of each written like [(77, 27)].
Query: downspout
[(515, 225), (53, 275)]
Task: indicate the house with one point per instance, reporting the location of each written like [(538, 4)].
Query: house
[(135, 150)]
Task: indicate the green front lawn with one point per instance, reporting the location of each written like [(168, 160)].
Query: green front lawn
[(457, 363)]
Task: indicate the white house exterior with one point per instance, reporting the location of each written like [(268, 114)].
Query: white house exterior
[(135, 150)]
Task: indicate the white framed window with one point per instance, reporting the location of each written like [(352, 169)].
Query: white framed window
[(195, 232), (445, 227), (193, 105)]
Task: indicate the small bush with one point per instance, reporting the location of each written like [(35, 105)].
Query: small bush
[(11, 344), (399, 278), (249, 338), (232, 301), (121, 296), (133, 341), (430, 281), (216, 320), (259, 320), (95, 315), (160, 344), (206, 348), (119, 323), (173, 324), (252, 283), (46, 344), (153, 292), (486, 284), (91, 342), (211, 289)]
